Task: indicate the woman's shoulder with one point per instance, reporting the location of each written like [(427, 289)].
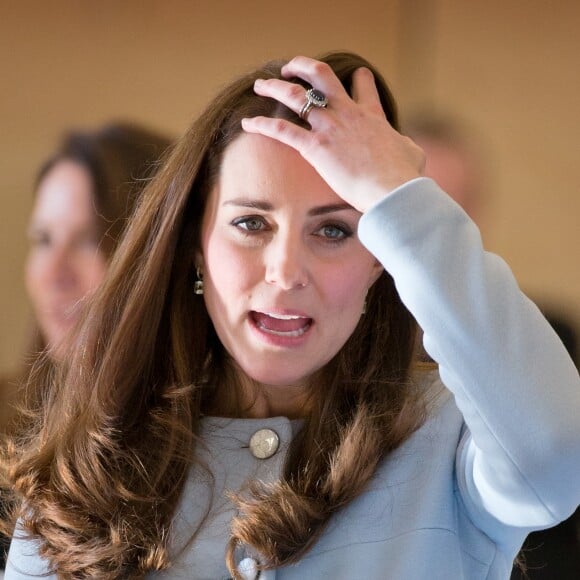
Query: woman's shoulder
[(438, 437), (436, 397)]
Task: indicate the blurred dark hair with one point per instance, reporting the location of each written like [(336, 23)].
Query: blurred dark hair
[(120, 158)]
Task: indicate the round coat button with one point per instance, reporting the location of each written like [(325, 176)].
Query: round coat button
[(264, 443)]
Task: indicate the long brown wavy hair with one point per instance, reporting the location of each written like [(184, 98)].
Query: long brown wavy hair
[(102, 473)]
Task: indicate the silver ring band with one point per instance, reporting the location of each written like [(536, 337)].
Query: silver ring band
[(314, 98)]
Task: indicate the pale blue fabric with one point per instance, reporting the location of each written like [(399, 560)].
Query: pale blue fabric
[(498, 456)]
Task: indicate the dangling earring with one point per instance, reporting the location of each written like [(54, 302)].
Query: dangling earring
[(364, 308), (198, 286)]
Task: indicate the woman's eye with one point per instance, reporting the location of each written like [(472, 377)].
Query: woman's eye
[(89, 241), (39, 240), (250, 224), (333, 233)]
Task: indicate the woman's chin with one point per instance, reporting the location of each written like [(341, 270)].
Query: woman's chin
[(283, 382)]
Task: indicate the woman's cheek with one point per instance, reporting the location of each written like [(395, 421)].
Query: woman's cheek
[(346, 283), (33, 275), (229, 265)]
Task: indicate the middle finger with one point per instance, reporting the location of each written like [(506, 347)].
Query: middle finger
[(318, 74)]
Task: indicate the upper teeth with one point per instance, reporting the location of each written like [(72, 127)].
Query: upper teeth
[(283, 316)]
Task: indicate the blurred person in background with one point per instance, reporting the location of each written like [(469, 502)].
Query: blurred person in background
[(453, 159), (84, 194), (457, 162)]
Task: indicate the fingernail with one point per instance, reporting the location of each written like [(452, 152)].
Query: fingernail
[(258, 82)]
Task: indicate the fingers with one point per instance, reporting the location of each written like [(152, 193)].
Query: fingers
[(289, 94), (279, 129), (293, 95), (321, 76), (318, 74)]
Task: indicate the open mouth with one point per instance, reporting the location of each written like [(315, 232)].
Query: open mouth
[(289, 325)]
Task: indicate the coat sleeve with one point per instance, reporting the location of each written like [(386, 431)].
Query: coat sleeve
[(518, 464)]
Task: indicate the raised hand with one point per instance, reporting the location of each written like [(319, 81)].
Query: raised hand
[(350, 144)]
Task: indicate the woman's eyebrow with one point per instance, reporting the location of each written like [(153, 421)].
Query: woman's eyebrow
[(267, 206), (324, 209), (252, 203)]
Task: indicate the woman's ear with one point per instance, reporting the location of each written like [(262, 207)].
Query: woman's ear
[(198, 262)]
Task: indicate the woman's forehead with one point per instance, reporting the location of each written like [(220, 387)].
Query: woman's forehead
[(65, 194), (260, 168)]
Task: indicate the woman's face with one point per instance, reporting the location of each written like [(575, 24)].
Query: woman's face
[(64, 261), (285, 276)]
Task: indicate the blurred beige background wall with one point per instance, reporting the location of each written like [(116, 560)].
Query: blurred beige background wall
[(512, 70), (509, 69)]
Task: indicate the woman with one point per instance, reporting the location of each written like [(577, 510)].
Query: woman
[(83, 196), (245, 399)]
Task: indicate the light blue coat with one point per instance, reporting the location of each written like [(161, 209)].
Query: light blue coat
[(498, 456)]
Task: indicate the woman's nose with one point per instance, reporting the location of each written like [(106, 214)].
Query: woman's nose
[(60, 269), (287, 264)]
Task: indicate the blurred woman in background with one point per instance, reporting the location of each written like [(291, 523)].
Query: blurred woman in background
[(84, 195)]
